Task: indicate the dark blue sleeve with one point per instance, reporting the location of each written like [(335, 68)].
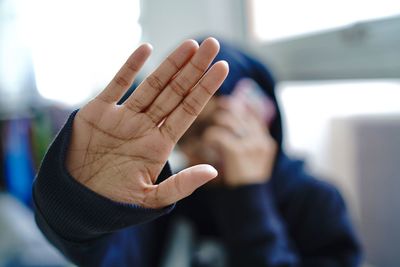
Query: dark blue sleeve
[(85, 226), (293, 220)]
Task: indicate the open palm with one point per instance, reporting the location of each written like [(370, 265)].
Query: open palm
[(118, 151)]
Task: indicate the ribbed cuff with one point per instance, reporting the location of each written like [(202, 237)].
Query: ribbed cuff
[(72, 210)]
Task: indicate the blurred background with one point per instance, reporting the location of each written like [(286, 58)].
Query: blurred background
[(337, 66)]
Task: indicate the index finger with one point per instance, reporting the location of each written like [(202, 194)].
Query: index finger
[(187, 111)]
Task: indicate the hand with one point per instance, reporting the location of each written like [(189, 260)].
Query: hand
[(118, 151), (243, 143)]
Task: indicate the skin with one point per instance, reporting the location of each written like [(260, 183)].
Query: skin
[(118, 151), (234, 139)]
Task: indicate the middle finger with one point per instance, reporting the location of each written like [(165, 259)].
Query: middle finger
[(184, 81)]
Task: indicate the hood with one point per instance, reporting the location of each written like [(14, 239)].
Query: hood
[(243, 65)]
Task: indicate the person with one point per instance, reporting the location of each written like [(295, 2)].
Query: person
[(104, 195)]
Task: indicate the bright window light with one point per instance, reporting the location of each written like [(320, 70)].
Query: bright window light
[(77, 46), (309, 107), (274, 20)]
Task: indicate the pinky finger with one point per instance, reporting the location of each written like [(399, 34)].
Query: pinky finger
[(126, 75)]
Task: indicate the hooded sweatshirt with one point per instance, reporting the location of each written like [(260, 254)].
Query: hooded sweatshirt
[(293, 219)]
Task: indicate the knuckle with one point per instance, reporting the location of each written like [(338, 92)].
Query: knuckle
[(178, 88), (105, 97), (173, 63), (156, 113), (151, 197), (154, 82), (178, 184), (133, 66), (121, 81), (134, 105), (169, 133), (197, 67), (206, 89), (191, 106)]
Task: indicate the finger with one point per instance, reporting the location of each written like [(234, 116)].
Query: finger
[(247, 122), (155, 83), (221, 138), (183, 116), (245, 119), (184, 81), (258, 126), (227, 120), (126, 75), (234, 105), (251, 119), (180, 185)]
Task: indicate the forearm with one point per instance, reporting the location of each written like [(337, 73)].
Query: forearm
[(75, 219)]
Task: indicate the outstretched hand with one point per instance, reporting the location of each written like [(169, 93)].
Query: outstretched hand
[(118, 151)]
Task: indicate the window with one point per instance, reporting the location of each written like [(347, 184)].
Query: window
[(77, 46), (273, 20), (310, 107)]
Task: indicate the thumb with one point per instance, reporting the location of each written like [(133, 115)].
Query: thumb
[(180, 185)]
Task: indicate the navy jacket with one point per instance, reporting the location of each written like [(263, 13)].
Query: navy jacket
[(293, 220)]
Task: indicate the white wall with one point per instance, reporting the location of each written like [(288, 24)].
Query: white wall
[(166, 23), (366, 50)]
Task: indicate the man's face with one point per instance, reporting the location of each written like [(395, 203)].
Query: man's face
[(232, 135), (234, 138)]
